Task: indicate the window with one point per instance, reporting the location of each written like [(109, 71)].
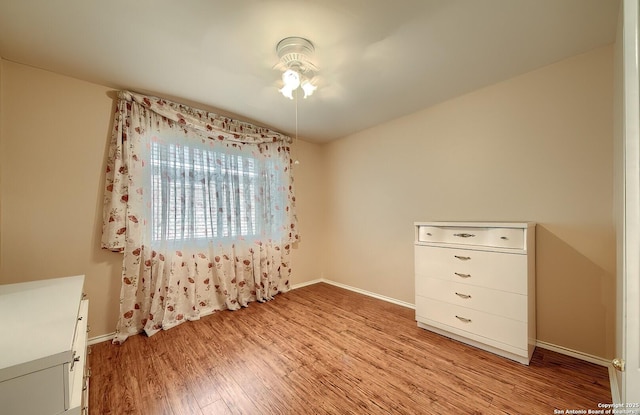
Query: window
[(210, 191)]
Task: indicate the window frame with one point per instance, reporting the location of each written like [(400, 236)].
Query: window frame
[(196, 226)]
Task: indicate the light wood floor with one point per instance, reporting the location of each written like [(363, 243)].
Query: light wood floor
[(324, 350)]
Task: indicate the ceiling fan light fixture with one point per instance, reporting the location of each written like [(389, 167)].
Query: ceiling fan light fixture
[(286, 92), (308, 88), (291, 81), (295, 54)]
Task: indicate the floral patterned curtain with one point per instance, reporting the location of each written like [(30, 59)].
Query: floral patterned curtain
[(169, 279)]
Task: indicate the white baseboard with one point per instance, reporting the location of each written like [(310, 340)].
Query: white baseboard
[(100, 339), (574, 353), (304, 284), (369, 293)]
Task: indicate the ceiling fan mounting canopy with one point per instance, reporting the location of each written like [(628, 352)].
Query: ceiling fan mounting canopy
[(296, 52)]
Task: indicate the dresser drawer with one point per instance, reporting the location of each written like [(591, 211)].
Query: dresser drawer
[(513, 238), (500, 329), (36, 393), (502, 303), (496, 270)]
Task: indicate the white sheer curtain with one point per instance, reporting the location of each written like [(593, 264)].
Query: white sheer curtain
[(202, 208)]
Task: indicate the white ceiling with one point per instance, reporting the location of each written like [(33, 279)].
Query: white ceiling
[(378, 59)]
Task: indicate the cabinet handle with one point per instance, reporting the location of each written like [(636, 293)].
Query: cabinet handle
[(504, 238), (462, 258), (464, 320), (462, 275), (465, 296), (464, 235)]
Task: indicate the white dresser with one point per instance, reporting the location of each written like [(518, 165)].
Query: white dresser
[(43, 348), (475, 282)]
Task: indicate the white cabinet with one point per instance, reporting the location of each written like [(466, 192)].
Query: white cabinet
[(475, 282), (43, 348)]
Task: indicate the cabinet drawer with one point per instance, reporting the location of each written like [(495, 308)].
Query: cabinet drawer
[(496, 328), (501, 303), (490, 237), (497, 270)]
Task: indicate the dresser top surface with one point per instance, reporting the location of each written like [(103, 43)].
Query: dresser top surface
[(479, 224), (38, 322)]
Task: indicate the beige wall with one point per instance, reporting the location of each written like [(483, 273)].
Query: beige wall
[(53, 135), (534, 148), (309, 182)]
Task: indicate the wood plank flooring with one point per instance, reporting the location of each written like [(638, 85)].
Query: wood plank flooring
[(325, 350)]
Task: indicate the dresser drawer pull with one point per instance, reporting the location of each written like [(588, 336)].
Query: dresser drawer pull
[(462, 258), (464, 235), (462, 275), (74, 361), (504, 238), (464, 320), (465, 296)]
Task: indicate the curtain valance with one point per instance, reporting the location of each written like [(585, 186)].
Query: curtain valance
[(206, 123)]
